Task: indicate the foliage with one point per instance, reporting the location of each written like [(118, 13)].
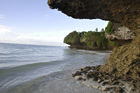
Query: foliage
[(112, 43), (102, 30), (96, 30), (109, 29), (95, 39), (72, 38), (92, 40)]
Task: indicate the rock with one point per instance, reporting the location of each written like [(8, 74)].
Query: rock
[(90, 75), (95, 78), (100, 80), (115, 82), (119, 90), (78, 77), (105, 83), (78, 73), (121, 11), (126, 12), (86, 69), (106, 89), (120, 33)]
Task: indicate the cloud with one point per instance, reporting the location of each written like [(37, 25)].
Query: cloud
[(10, 35), (2, 16), (28, 39), (5, 29)]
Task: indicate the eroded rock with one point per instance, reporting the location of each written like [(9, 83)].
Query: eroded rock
[(124, 62), (120, 33), (107, 82), (119, 11)]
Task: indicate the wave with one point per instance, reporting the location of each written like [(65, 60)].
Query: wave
[(30, 65)]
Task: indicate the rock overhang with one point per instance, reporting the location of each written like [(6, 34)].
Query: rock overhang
[(124, 61), (119, 11)]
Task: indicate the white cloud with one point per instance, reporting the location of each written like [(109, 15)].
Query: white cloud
[(5, 29), (2, 16), (10, 35)]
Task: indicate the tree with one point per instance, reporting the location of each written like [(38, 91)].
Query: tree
[(72, 38), (109, 29), (102, 30), (96, 30)]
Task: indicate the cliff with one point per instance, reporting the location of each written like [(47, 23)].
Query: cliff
[(124, 62), (115, 31)]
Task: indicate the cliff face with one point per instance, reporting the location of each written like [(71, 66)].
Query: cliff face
[(124, 61), (115, 31)]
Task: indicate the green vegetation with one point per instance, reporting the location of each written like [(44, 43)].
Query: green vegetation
[(109, 29), (92, 39), (72, 38), (89, 40), (112, 43)]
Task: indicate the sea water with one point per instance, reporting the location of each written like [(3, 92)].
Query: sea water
[(20, 64)]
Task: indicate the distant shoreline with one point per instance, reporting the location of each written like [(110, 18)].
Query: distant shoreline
[(33, 44)]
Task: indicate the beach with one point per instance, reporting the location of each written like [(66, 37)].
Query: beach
[(53, 76)]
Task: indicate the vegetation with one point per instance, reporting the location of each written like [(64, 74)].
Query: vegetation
[(95, 39), (90, 40), (72, 38), (109, 29)]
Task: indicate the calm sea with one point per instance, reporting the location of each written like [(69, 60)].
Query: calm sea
[(23, 63)]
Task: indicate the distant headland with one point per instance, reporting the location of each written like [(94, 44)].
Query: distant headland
[(113, 36)]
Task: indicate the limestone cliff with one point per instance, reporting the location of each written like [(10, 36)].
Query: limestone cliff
[(124, 61), (115, 31)]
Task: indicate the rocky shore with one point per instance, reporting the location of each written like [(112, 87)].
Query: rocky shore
[(124, 62), (93, 77)]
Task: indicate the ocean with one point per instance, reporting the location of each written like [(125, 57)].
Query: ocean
[(44, 69)]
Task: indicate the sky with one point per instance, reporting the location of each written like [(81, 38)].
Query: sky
[(33, 22)]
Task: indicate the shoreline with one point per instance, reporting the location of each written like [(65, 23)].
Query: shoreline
[(57, 82), (92, 77), (92, 49)]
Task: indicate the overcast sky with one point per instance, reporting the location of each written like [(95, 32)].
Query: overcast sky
[(33, 22)]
